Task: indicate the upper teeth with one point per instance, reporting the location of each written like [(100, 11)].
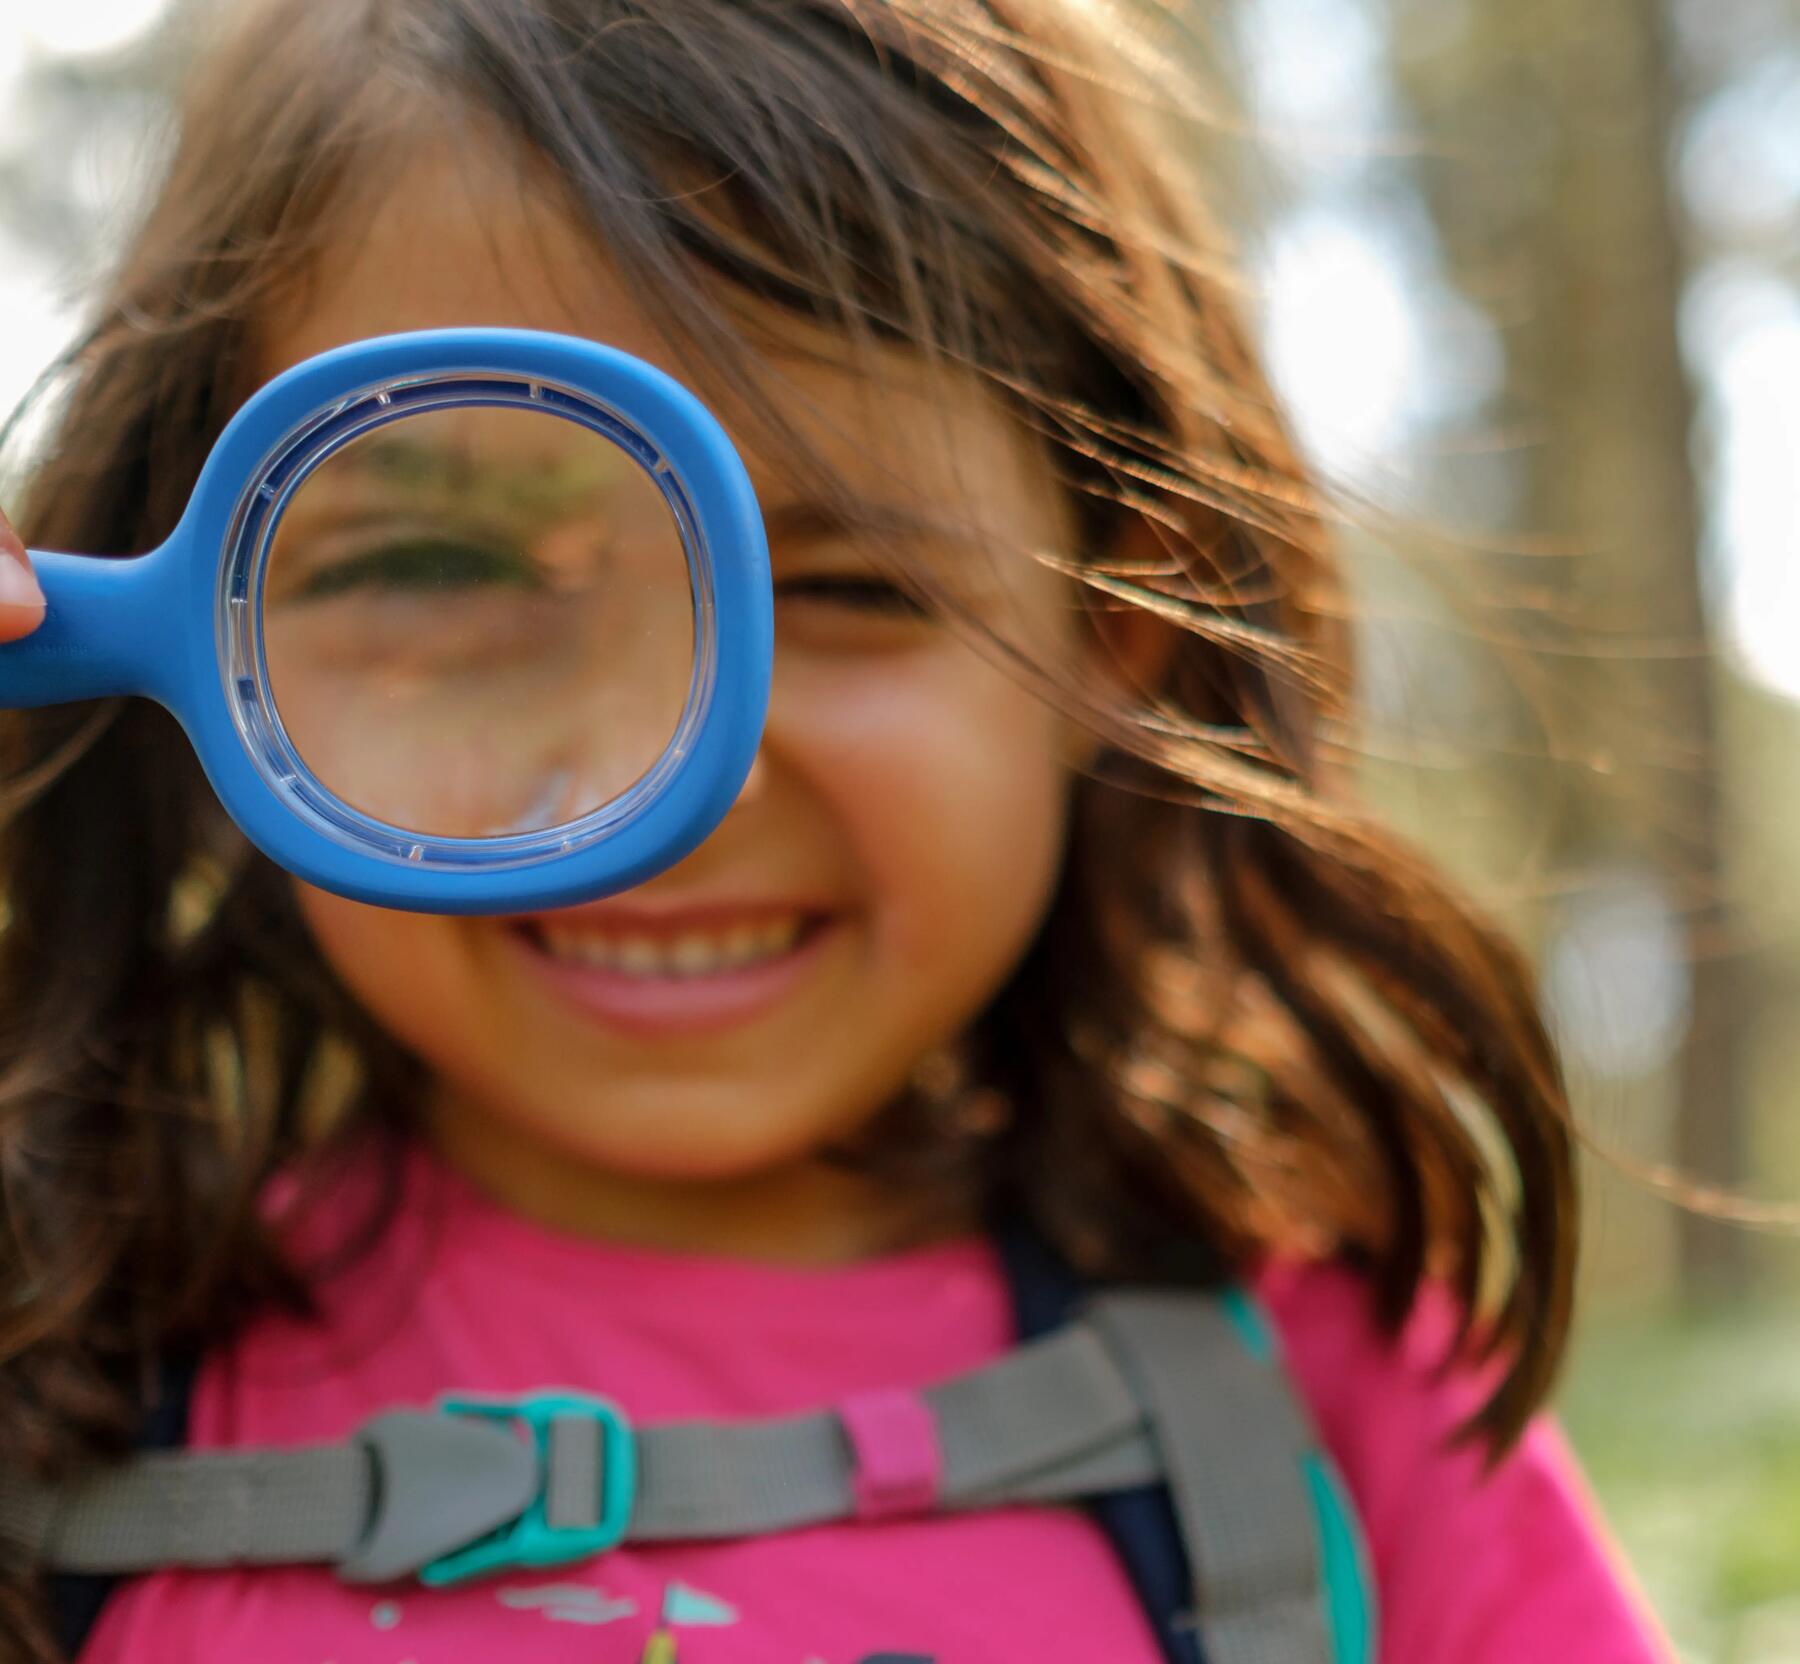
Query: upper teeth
[(692, 953)]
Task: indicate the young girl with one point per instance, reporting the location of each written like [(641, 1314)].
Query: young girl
[(1043, 932)]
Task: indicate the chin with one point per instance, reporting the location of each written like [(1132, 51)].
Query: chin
[(673, 1146)]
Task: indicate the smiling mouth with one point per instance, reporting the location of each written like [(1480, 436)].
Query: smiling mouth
[(680, 955)]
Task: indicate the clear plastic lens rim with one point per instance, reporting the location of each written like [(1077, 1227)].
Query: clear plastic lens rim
[(243, 663)]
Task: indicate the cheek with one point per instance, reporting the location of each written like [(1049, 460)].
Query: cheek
[(411, 971), (948, 783)]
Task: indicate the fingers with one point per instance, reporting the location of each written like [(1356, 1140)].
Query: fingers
[(21, 600)]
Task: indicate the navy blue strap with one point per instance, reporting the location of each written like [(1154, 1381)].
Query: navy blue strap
[(1141, 1523)]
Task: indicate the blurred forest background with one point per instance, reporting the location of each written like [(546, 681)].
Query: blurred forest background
[(1529, 273)]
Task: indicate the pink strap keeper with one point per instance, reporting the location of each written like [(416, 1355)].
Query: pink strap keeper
[(899, 1465)]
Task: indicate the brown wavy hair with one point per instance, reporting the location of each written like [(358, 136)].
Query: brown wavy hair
[(1253, 1020)]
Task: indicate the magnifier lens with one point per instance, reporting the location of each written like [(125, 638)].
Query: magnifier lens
[(478, 622)]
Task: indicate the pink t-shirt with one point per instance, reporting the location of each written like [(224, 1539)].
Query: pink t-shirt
[(464, 1295)]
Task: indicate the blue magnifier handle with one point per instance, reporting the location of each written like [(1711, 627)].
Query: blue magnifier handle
[(103, 618)]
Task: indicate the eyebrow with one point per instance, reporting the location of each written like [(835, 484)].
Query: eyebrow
[(803, 520), (543, 484)]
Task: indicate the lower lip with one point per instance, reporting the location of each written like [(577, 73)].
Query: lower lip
[(651, 1006)]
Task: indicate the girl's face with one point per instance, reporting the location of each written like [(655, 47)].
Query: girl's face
[(889, 858)]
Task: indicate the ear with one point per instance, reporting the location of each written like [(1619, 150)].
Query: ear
[(1125, 649)]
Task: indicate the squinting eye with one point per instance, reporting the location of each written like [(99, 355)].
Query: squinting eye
[(853, 591), (430, 564)]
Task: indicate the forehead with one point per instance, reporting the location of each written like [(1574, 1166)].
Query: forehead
[(461, 233)]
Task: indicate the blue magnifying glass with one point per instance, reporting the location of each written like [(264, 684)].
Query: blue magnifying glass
[(460, 621)]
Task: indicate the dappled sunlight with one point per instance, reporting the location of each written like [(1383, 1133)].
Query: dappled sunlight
[(86, 27)]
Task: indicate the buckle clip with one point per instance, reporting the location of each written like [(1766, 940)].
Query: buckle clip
[(530, 1539)]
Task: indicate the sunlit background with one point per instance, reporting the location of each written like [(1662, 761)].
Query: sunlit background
[(1530, 279)]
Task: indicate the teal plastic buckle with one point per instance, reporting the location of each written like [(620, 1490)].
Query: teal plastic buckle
[(530, 1540)]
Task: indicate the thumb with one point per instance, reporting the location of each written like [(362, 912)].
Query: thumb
[(21, 600)]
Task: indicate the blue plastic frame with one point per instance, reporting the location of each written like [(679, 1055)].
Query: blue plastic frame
[(179, 625)]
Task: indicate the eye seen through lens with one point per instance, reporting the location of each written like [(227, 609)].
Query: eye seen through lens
[(479, 622)]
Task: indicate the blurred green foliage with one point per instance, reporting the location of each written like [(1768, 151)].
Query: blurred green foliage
[(1687, 1426)]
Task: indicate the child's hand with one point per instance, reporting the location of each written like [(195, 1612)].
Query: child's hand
[(21, 601)]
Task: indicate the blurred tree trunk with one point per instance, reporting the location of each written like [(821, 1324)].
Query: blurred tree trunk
[(1632, 489), (1547, 134)]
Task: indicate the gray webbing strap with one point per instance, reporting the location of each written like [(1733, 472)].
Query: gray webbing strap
[(174, 1510), (571, 1474), (441, 1481), (1233, 1449), (1053, 1420), (1033, 1423)]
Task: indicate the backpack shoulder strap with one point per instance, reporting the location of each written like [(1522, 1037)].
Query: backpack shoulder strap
[(1247, 1551), (1270, 1584), (1344, 1563), (1140, 1522)]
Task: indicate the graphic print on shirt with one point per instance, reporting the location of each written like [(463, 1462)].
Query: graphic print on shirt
[(573, 1603), (683, 1607)]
